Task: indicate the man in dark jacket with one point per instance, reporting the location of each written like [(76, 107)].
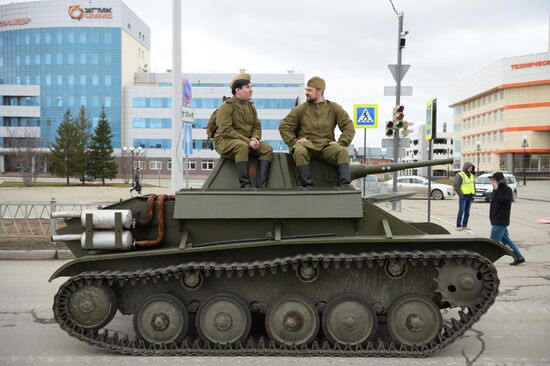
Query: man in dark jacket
[(499, 214), (464, 186)]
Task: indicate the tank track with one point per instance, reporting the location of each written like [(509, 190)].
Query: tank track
[(258, 346)]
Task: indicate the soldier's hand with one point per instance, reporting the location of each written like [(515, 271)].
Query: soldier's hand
[(303, 140), (254, 144)]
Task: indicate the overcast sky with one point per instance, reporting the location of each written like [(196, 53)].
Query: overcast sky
[(350, 42)]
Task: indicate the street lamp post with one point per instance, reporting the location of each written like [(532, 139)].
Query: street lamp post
[(525, 145), (478, 149)]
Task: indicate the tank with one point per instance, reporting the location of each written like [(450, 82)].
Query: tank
[(279, 271)]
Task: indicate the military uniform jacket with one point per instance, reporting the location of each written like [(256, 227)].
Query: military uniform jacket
[(317, 122), (237, 119)]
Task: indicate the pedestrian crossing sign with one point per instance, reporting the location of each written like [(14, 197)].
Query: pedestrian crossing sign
[(365, 115)]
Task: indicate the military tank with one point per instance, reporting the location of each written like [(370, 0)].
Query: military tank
[(278, 271)]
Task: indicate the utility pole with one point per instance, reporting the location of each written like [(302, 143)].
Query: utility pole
[(400, 45), (177, 94)]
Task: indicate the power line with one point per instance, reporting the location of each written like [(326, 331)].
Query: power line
[(393, 6)]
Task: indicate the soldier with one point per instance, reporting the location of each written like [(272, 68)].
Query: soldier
[(239, 132), (309, 130)]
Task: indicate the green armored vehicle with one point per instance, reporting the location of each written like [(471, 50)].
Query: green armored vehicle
[(278, 271)]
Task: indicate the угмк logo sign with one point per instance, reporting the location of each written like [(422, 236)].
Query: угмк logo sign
[(76, 12)]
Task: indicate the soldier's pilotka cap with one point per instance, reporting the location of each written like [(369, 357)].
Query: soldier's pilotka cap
[(241, 76), (317, 83)]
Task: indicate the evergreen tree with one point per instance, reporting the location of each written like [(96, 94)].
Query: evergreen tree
[(83, 127), (65, 148), (101, 159)]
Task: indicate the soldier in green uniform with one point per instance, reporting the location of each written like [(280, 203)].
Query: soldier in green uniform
[(239, 132), (309, 130)]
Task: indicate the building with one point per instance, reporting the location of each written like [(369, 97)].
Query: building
[(76, 55), (442, 148), (148, 116), (502, 116)]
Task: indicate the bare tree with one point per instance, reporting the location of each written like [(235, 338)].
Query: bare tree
[(23, 145)]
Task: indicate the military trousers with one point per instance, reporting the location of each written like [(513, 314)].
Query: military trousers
[(240, 151), (333, 154)]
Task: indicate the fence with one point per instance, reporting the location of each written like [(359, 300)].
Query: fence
[(33, 219)]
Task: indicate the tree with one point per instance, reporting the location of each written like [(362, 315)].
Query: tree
[(65, 148), (100, 156), (23, 144), (83, 127)]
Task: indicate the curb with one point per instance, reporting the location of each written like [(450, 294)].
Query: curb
[(35, 254)]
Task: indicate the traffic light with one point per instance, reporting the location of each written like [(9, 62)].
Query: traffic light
[(406, 126), (398, 116), (389, 128)]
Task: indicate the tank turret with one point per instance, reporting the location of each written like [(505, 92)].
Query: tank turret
[(278, 271)]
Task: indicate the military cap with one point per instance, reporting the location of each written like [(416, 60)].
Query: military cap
[(317, 83), (241, 76)]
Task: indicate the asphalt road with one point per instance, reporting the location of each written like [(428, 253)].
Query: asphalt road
[(515, 331)]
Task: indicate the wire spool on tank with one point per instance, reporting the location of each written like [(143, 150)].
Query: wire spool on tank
[(106, 240), (105, 219)]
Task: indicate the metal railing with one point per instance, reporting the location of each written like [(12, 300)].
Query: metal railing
[(33, 219)]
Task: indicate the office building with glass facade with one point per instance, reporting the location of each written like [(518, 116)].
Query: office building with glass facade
[(502, 116), (78, 55), (148, 123)]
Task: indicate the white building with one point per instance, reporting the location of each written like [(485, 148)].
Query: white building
[(147, 114), (442, 148)]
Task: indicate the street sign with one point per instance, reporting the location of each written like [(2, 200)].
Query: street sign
[(391, 91), (187, 139), (187, 93), (388, 143), (394, 68), (401, 152), (431, 120), (365, 115), (187, 114)]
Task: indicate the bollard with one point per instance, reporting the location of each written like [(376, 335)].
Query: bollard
[(52, 220)]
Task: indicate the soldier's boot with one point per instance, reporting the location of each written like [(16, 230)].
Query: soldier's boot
[(242, 173), (262, 173), (304, 176), (344, 180)]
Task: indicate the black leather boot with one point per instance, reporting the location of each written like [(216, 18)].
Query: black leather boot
[(344, 180), (262, 173), (304, 177), (242, 173)]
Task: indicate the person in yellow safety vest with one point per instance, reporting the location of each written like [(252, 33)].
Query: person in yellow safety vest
[(466, 189)]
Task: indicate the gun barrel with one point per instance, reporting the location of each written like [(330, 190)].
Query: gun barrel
[(360, 171)]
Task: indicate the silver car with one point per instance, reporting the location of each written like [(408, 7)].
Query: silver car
[(420, 186)]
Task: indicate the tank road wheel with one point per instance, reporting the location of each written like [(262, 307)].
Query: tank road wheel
[(349, 319), (161, 318), (459, 285), (92, 306), (413, 319), (292, 319), (223, 318)]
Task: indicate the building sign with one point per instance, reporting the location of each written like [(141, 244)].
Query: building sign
[(530, 64), (10, 22), (76, 12)]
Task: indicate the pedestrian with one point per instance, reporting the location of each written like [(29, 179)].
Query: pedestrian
[(137, 182), (239, 133), (499, 214), (464, 186), (309, 132)]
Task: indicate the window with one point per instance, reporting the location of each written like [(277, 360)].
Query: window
[(169, 164), (95, 80), (501, 136), (191, 165), (71, 37), (107, 37), (47, 38), (96, 101), (48, 59), (107, 101), (107, 80), (48, 80), (82, 38), (83, 101), (139, 164), (59, 79), (37, 80), (37, 38), (82, 79), (36, 60), (70, 58), (95, 59), (155, 165), (139, 102), (82, 59), (27, 60), (59, 102), (70, 79), (18, 60), (207, 164), (71, 101), (107, 58)]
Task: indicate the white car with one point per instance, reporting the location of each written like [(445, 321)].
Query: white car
[(484, 188), (419, 185)]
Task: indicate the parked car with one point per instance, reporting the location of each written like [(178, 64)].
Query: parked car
[(87, 178), (420, 186), (484, 188)]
